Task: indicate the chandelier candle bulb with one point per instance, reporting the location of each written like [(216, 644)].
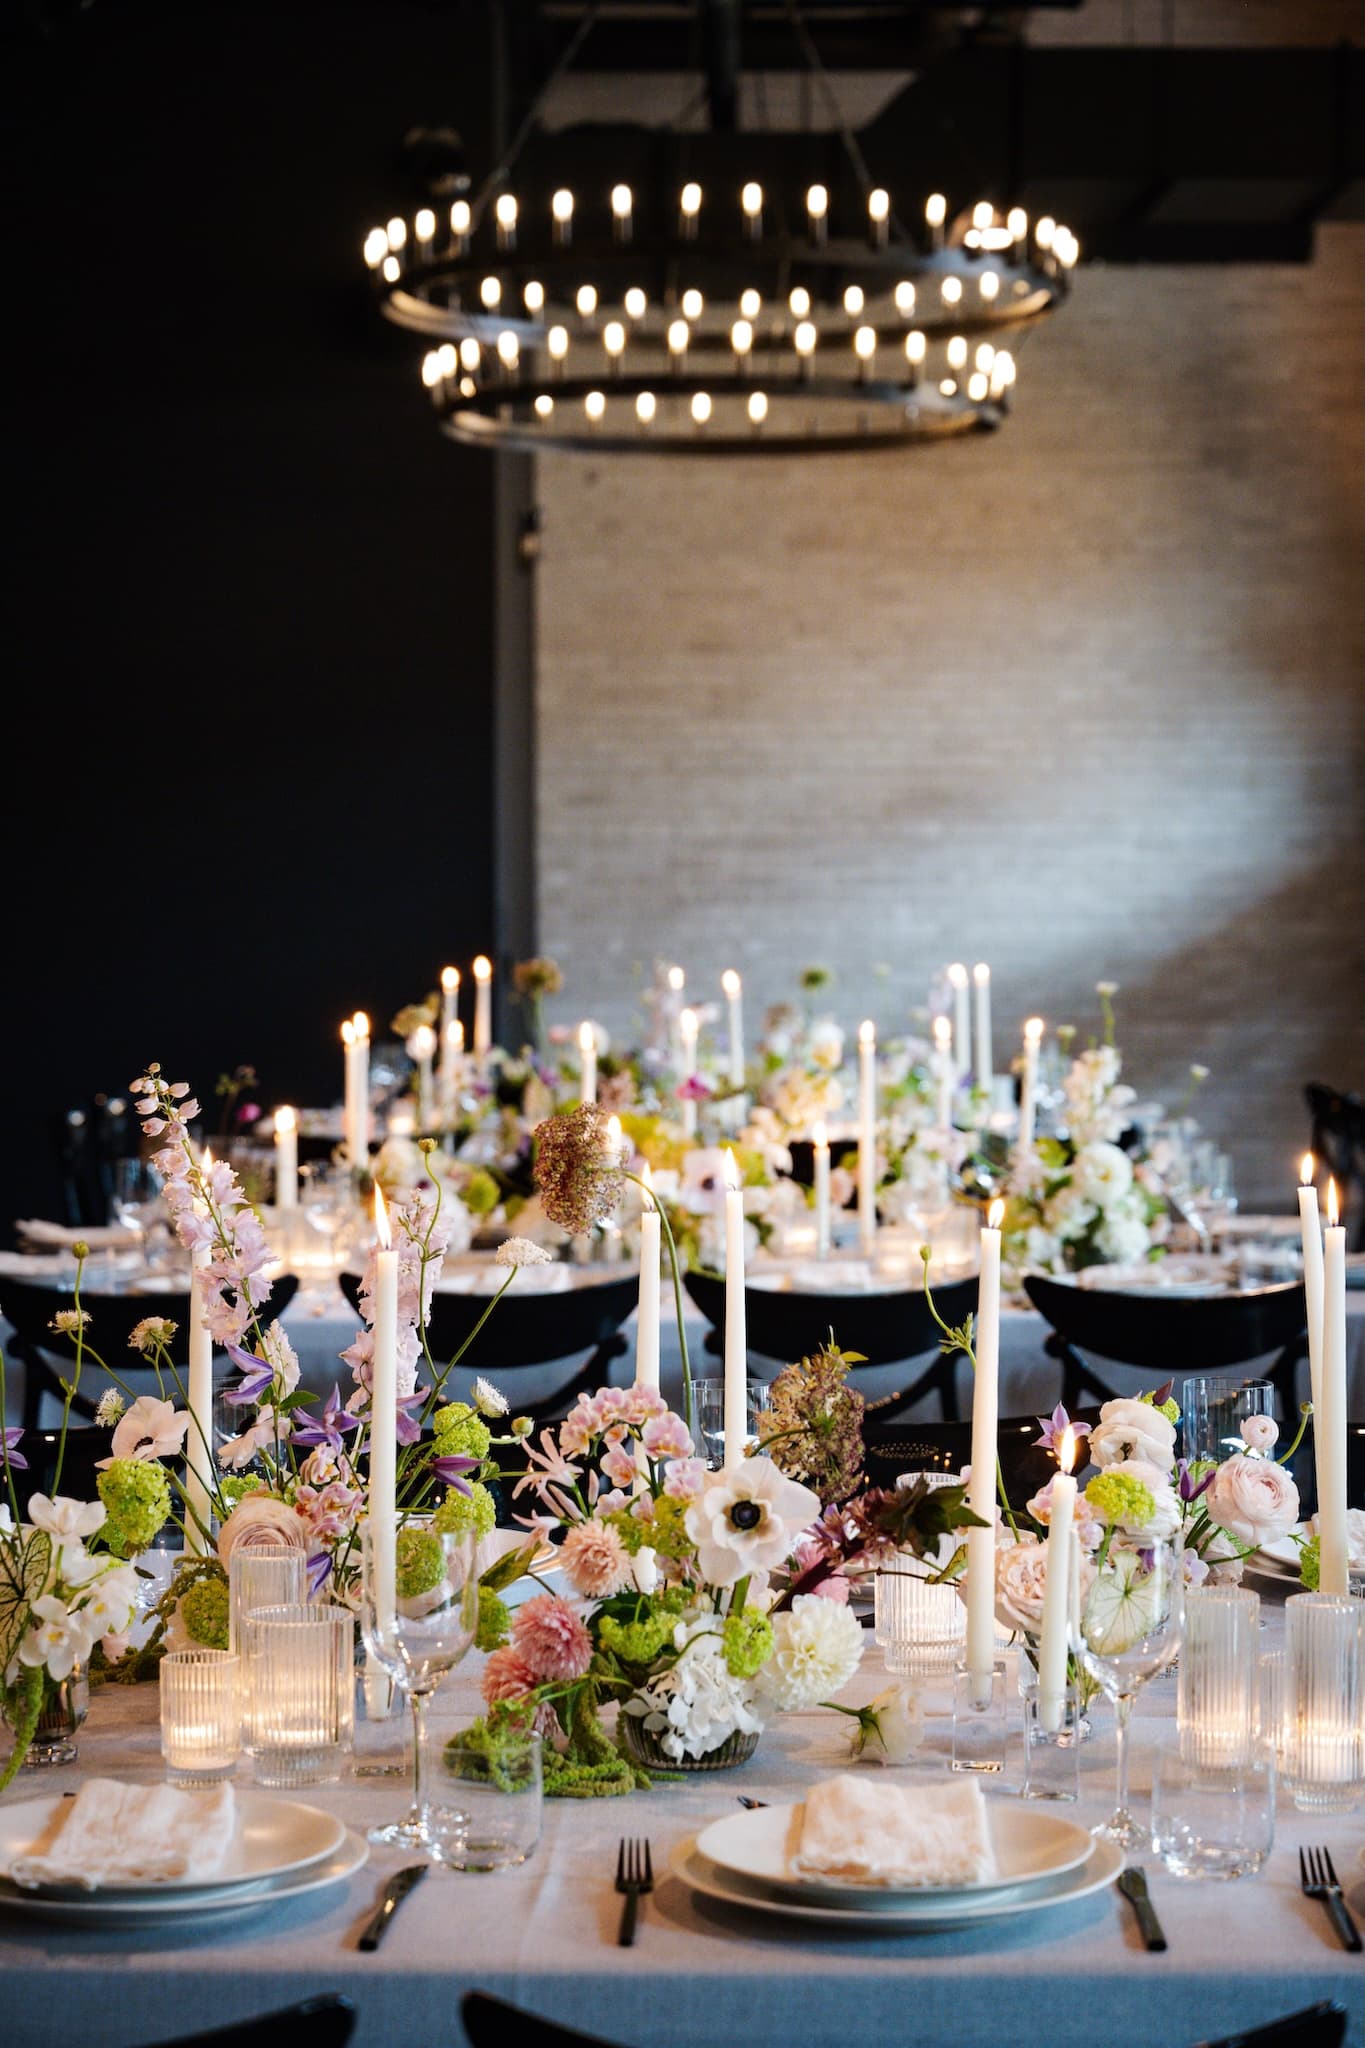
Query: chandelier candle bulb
[(622, 204), (1310, 1231), (867, 1134), (734, 997), (820, 1156), (985, 1059), (944, 1073), (1028, 1087), (751, 204), (689, 206), (483, 1007), (647, 1321), (1330, 1429), (981, 1491), (735, 1412), (878, 216), (384, 1417), (286, 1158), (1052, 1640), (587, 1062), (817, 212), (687, 1067), (505, 220), (461, 222), (935, 213), (561, 216)]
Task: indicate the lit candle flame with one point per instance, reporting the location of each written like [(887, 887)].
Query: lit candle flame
[(687, 1023), (957, 974), (614, 1137), (867, 1032), (1307, 1167), (450, 978), (818, 1135), (648, 1178), (381, 1221), (285, 1120), (483, 968), (676, 978), (729, 981), (587, 1037), (1066, 1454), (360, 1024), (423, 1042), (1033, 1031), (348, 1033), (731, 1170), (1333, 1209), (943, 1034), (995, 1215)]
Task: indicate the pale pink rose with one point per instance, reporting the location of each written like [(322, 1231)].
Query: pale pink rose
[(1259, 1432), (1021, 1580), (259, 1520), (1254, 1499)]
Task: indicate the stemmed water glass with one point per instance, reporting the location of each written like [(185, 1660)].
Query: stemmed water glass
[(1126, 1628), (135, 1204), (417, 1628)]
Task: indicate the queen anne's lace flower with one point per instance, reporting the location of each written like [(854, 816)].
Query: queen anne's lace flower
[(521, 1251)]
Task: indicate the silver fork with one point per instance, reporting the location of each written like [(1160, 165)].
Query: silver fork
[(1318, 1878), (634, 1876)]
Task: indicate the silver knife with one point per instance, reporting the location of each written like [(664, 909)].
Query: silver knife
[(395, 1891), (1133, 1885)]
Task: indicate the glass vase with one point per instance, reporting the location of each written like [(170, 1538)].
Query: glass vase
[(643, 1747), (66, 1702)]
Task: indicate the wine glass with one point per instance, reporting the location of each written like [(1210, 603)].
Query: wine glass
[(419, 1609), (1126, 1629), (326, 1201), (135, 1203)]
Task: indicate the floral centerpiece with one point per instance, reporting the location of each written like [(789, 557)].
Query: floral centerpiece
[(1080, 1198)]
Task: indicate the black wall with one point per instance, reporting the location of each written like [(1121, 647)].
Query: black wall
[(248, 742)]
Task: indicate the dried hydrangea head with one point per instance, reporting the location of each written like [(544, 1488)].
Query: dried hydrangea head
[(578, 1168), (537, 977), (813, 1425)]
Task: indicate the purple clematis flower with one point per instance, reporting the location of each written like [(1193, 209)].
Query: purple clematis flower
[(319, 1570), (1054, 1428), (452, 1471), (409, 1428), (330, 1426), (11, 1455), (257, 1375)]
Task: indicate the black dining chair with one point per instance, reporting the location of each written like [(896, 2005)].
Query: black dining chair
[(1165, 1336), (886, 1328), (532, 1329), (29, 1306), (891, 1449), (1337, 1139), (1315, 2026), (85, 1446), (322, 2022), (492, 2022)]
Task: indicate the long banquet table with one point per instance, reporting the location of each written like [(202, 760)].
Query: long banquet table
[(544, 1935)]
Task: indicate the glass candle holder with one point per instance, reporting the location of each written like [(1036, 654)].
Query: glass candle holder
[(201, 1715), (299, 1693), (921, 1627), (1052, 1755), (1324, 1734), (981, 1720), (1212, 1411), (709, 1396), (263, 1575), (1218, 1685)]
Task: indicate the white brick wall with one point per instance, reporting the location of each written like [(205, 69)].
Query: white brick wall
[(1081, 698)]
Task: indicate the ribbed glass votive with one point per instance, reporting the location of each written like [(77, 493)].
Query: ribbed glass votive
[(921, 1627), (1324, 1733), (264, 1575), (201, 1715), (299, 1692), (1218, 1687)]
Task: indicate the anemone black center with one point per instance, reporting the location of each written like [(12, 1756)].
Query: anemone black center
[(746, 1514)]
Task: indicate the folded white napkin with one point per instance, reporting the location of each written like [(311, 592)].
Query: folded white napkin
[(116, 1834), (865, 1831), (42, 1236), (1160, 1276)]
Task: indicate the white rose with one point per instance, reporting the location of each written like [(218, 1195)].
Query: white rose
[(1102, 1173), (1254, 1499), (1133, 1429), (1122, 1236)]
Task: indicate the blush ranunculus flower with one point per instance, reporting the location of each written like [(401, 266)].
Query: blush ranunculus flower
[(1133, 1429), (261, 1521), (1254, 1499), (1021, 1580), (1260, 1432)]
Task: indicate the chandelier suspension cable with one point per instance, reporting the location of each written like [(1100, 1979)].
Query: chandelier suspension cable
[(502, 170)]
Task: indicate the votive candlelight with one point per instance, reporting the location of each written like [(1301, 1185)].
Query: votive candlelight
[(201, 1715)]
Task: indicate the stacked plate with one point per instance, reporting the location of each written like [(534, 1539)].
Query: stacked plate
[(1279, 1561), (281, 1850), (1041, 1861)]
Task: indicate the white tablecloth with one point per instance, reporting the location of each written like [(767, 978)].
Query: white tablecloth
[(544, 1935)]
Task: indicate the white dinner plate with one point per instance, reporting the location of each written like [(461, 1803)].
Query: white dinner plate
[(273, 1837), (113, 1909), (931, 1913), (757, 1844)]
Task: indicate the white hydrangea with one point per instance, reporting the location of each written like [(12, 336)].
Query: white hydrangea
[(698, 1703)]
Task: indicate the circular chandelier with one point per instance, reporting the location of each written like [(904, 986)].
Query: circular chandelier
[(631, 290)]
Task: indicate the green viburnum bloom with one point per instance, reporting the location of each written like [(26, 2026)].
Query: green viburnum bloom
[(495, 1621), (636, 1642), (235, 1486), (458, 1511), (1121, 1500), (1310, 1565), (480, 1193), (748, 1640), (666, 1532), (137, 1496), (204, 1611), (460, 1432), (419, 1563)]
